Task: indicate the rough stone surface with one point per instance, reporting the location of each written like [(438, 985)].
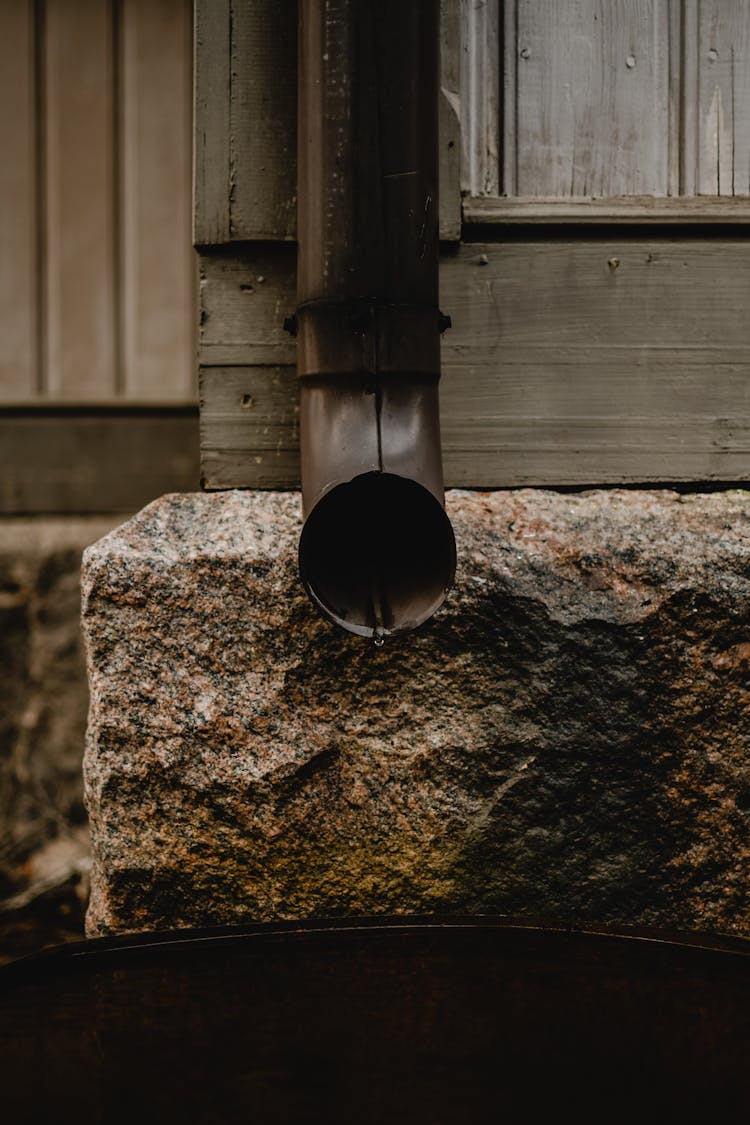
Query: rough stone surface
[(569, 738), (43, 706)]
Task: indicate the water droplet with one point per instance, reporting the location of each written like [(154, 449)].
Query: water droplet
[(378, 640)]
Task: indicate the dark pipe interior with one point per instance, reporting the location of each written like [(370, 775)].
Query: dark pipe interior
[(377, 554)]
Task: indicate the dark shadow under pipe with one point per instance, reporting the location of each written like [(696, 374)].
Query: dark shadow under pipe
[(377, 552)]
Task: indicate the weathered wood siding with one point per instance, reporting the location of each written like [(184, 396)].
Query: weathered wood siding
[(552, 106), (587, 88), (481, 129), (569, 362), (97, 273), (578, 359), (246, 121), (717, 92), (158, 267), (449, 169), (78, 206), (18, 286), (605, 99)]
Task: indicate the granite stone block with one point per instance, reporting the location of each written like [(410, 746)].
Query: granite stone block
[(569, 738)]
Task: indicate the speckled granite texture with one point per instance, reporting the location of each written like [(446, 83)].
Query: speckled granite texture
[(569, 738)]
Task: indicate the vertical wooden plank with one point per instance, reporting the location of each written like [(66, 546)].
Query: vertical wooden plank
[(509, 140), (18, 358), (592, 98), (674, 63), (450, 120), (480, 96), (723, 115), (158, 263), (263, 119), (211, 178), (81, 336), (689, 98)]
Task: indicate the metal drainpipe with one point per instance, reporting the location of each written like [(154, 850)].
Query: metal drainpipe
[(377, 552)]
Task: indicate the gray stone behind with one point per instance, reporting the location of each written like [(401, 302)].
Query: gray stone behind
[(568, 739)]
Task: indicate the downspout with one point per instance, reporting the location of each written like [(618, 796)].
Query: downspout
[(377, 552)]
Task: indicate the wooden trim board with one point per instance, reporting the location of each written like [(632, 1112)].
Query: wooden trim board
[(700, 210)]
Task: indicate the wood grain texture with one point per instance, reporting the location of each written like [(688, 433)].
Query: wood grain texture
[(211, 93), (686, 33), (480, 92), (108, 460), (158, 262), (263, 119), (97, 275), (250, 427), (449, 171), (81, 357), (605, 100), (244, 300), (246, 121), (674, 62), (18, 245), (721, 113), (591, 100), (569, 362)]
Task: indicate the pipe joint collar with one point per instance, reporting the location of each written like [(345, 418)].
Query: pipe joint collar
[(367, 337)]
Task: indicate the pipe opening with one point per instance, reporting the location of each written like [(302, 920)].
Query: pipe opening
[(377, 554)]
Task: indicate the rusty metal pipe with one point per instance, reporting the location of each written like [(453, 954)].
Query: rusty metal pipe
[(377, 552)]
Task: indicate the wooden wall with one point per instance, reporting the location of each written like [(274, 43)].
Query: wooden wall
[(561, 368), (97, 274), (98, 278), (598, 321), (246, 121), (625, 100)]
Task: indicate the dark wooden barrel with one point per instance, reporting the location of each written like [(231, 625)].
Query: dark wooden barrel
[(390, 1021)]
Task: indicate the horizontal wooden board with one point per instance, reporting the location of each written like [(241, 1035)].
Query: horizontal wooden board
[(615, 291), (250, 427), (244, 301), (489, 441), (94, 460), (569, 362), (701, 210)]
